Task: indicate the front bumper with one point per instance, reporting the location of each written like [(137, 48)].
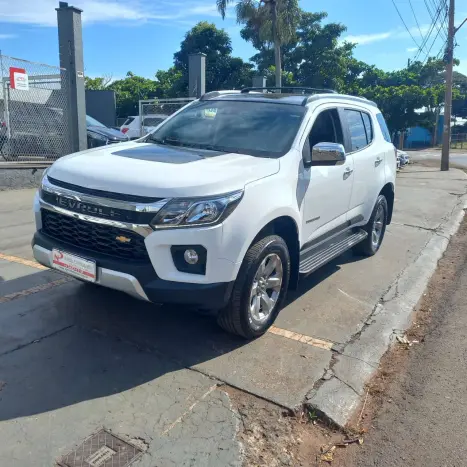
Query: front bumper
[(138, 279)]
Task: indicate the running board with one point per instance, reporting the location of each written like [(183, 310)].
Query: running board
[(314, 259)]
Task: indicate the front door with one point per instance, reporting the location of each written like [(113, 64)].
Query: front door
[(330, 186)]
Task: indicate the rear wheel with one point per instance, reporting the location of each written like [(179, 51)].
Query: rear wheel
[(375, 228), (260, 289)]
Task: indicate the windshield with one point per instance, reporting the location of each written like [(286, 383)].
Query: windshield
[(93, 122), (256, 128)]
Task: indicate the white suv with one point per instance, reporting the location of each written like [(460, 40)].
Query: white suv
[(226, 204)]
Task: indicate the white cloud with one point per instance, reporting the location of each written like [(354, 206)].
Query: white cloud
[(412, 49), (42, 12), (363, 39), (7, 36)]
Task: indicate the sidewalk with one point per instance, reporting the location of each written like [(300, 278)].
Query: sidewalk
[(74, 358)]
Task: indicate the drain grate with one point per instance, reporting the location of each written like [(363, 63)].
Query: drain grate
[(102, 449)]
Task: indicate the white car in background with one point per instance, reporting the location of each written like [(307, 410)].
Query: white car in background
[(132, 125)]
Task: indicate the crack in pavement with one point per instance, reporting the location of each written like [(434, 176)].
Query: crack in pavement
[(36, 341)]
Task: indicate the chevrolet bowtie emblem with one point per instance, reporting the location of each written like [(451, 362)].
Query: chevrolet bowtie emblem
[(123, 239)]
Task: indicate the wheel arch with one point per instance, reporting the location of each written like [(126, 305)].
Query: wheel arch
[(388, 192), (286, 228)]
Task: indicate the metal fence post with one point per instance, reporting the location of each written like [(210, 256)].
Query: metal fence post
[(71, 58), (196, 75)]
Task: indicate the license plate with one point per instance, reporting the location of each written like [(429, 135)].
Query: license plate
[(74, 265)]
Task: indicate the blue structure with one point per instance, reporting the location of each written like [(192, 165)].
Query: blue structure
[(419, 137)]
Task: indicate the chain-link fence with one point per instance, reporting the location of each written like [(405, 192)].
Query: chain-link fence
[(153, 112), (33, 111), (459, 141)]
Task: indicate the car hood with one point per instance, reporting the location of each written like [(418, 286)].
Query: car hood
[(161, 171), (110, 133)]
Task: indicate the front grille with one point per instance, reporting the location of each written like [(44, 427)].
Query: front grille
[(94, 237)]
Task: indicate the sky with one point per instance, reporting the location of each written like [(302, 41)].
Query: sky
[(141, 35)]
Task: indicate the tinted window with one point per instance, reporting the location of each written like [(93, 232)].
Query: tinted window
[(327, 128), (129, 120), (384, 127), (256, 128), (356, 128), (153, 121), (368, 127)]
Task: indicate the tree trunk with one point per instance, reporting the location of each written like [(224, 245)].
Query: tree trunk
[(277, 45)]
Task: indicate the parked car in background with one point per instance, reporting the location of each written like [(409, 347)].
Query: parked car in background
[(100, 135), (132, 125), (404, 157), (226, 204)]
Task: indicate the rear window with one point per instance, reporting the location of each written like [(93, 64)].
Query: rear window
[(384, 127), (129, 120)]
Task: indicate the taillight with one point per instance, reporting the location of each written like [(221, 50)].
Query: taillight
[(124, 130)]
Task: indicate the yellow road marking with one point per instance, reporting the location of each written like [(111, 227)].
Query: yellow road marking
[(301, 338), (25, 262), (33, 290)]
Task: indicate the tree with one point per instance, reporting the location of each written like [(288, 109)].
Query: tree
[(274, 21), (222, 70), (130, 90), (97, 84)]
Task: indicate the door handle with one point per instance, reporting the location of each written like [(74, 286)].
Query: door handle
[(378, 161), (347, 173)]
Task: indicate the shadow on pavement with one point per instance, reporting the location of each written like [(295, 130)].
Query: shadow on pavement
[(115, 343)]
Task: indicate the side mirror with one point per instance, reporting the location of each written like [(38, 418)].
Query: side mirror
[(328, 154)]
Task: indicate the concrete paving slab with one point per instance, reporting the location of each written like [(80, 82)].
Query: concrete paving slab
[(273, 367), (9, 271), (334, 302), (33, 278), (64, 388), (32, 317)]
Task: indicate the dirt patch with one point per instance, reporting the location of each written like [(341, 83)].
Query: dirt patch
[(394, 364), (273, 436)]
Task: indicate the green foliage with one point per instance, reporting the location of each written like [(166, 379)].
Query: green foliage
[(130, 90), (96, 84)]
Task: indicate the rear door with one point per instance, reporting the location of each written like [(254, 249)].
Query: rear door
[(368, 158)]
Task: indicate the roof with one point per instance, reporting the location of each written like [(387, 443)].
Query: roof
[(282, 98)]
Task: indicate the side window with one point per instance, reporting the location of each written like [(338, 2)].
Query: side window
[(384, 127), (368, 127), (356, 129), (327, 128)]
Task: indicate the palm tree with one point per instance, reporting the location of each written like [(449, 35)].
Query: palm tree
[(276, 21)]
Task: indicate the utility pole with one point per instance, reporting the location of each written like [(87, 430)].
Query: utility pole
[(448, 98)]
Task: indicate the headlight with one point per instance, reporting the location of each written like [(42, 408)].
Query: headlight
[(97, 136), (184, 212)]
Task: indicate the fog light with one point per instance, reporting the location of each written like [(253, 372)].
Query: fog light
[(191, 257)]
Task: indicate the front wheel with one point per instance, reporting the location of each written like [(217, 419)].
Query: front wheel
[(259, 290), (375, 228)]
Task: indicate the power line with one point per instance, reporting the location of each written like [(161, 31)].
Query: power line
[(416, 20), (432, 15), (432, 44), (428, 35), (402, 19)]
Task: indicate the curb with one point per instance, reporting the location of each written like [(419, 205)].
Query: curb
[(338, 398)]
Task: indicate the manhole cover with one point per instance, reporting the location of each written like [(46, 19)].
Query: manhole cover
[(102, 449)]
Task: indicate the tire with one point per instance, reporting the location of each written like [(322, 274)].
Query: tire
[(239, 316), (372, 242)]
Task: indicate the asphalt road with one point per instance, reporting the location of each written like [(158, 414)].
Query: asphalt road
[(422, 421), (458, 157)]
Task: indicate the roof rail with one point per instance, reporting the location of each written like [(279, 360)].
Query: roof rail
[(304, 89), (346, 97), (211, 95)]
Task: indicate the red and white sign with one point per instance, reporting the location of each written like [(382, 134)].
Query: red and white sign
[(19, 79), (74, 265)]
